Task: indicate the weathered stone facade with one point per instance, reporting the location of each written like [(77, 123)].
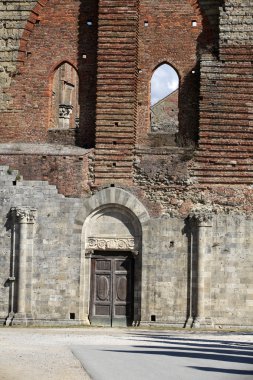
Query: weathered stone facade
[(101, 218)]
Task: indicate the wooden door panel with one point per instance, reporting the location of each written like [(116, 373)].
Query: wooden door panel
[(111, 290), (123, 288), (101, 291), (120, 288), (103, 288), (103, 265)]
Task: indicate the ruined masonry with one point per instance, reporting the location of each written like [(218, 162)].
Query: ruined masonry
[(114, 212)]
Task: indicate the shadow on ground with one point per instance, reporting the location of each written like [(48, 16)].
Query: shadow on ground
[(191, 347)]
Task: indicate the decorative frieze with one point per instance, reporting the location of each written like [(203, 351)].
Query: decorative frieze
[(111, 243)]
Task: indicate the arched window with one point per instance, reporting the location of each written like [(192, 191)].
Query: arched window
[(65, 104), (164, 100)]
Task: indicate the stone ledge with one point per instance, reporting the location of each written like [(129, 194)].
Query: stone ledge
[(44, 149)]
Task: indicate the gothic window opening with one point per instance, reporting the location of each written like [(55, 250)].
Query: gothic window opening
[(164, 100), (65, 103)]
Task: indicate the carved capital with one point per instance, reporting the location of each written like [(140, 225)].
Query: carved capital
[(25, 214), (65, 111), (202, 217), (110, 243)]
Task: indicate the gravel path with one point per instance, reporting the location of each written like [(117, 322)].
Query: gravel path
[(46, 354)]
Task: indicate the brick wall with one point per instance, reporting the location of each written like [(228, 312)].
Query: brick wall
[(166, 34), (55, 32), (116, 91), (14, 15), (226, 107), (67, 170)]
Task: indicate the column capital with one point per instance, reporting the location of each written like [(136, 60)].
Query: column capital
[(203, 218), (24, 215)]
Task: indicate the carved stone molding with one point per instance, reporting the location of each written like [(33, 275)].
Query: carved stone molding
[(24, 214), (89, 252), (110, 243)]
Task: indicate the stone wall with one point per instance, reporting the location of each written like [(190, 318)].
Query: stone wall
[(165, 260), (228, 268), (183, 279), (52, 263)]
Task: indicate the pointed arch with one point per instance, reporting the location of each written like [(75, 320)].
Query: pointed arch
[(164, 90)]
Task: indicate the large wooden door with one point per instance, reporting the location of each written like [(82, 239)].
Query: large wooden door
[(111, 289)]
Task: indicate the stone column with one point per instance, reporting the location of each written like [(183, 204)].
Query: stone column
[(204, 225), (25, 219)]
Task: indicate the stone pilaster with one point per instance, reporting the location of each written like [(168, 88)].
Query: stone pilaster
[(204, 225), (24, 219)]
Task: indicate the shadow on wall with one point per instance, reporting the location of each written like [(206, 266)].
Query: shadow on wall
[(188, 103), (190, 230), (189, 92), (14, 262), (87, 69)]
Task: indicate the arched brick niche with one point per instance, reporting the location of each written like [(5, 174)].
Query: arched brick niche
[(64, 105), (56, 32)]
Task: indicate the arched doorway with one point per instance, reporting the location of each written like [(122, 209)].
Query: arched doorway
[(113, 242)]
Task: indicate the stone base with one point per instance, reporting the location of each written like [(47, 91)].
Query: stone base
[(22, 319), (189, 323), (202, 322), (162, 324), (9, 320), (60, 322)]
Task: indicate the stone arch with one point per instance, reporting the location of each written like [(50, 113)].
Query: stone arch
[(112, 220), (111, 195), (112, 227)]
